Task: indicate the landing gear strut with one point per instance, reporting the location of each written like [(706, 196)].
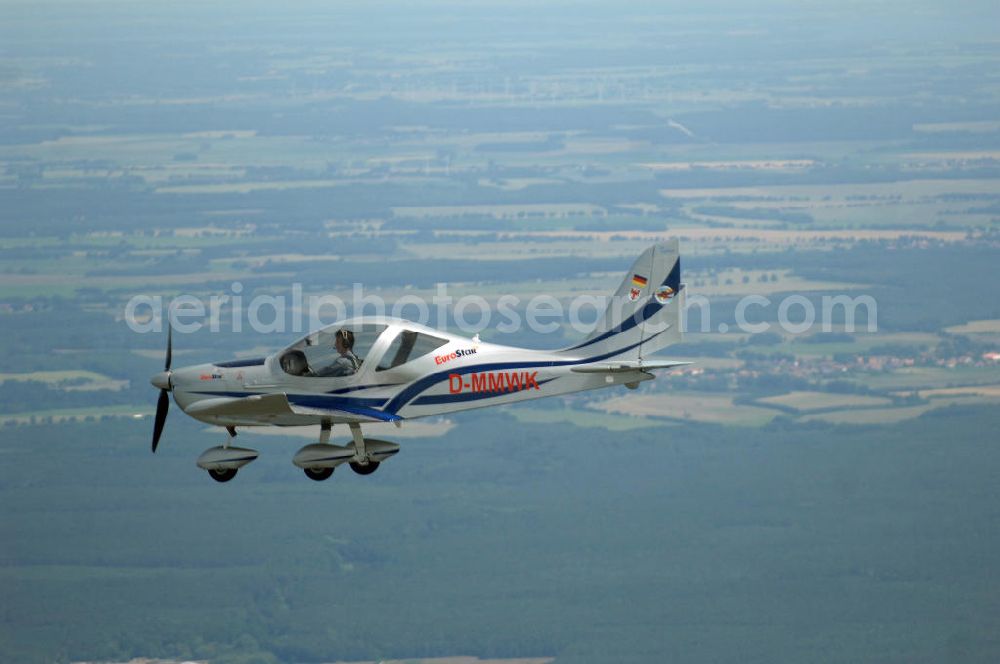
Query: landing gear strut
[(364, 465)]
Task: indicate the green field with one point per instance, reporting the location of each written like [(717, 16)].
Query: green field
[(716, 408), (806, 401), (582, 418)]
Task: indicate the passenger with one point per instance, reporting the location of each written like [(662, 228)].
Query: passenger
[(348, 363), (294, 362)]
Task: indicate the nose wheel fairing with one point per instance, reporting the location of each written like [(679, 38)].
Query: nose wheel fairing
[(226, 458)]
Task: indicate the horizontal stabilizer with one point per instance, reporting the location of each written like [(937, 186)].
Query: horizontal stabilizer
[(622, 366)]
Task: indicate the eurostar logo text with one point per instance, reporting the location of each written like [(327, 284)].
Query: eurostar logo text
[(461, 352), (493, 382)]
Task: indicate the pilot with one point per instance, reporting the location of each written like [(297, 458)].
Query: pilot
[(348, 363)]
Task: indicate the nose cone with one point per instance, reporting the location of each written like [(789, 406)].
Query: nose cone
[(161, 380)]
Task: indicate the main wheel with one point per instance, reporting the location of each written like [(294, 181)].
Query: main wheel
[(364, 469), (318, 474), (222, 475)]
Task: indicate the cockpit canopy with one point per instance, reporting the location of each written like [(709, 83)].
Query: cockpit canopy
[(407, 346), (316, 355)]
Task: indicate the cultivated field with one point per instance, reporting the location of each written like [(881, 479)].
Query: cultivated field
[(718, 408), (806, 400)]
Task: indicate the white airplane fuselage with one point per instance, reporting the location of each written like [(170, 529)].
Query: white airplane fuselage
[(461, 375)]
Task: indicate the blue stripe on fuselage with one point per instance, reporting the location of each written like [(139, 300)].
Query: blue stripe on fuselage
[(356, 388), (366, 407)]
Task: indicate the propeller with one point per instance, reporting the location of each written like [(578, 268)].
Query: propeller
[(162, 381)]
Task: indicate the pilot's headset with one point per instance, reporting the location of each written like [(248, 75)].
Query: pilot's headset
[(347, 338)]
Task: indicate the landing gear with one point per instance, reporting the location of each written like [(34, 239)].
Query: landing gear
[(222, 462), (364, 469), (319, 460), (364, 455), (223, 475), (318, 474)]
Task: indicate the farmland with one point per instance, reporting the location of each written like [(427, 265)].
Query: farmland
[(803, 490)]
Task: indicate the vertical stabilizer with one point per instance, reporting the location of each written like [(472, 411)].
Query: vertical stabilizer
[(644, 314)]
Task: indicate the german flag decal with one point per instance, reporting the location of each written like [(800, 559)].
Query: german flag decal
[(638, 281)]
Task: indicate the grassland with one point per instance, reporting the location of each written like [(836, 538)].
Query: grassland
[(806, 401), (876, 416), (917, 378), (977, 327), (718, 408), (862, 342), (869, 416), (612, 421), (989, 391), (864, 206), (66, 415), (75, 375)]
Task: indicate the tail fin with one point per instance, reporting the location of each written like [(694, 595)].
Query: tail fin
[(645, 313)]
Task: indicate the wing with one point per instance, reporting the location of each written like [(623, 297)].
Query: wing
[(623, 366), (274, 406)]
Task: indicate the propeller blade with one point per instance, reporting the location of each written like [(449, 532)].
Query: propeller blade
[(162, 406), (170, 347)]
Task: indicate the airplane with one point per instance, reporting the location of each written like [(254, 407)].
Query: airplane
[(404, 371)]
